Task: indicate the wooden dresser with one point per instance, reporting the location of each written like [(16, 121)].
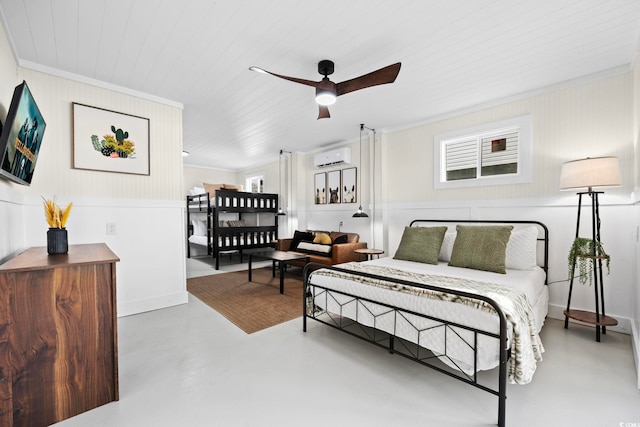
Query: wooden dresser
[(58, 334)]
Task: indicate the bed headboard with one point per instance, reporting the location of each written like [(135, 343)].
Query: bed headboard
[(543, 233)]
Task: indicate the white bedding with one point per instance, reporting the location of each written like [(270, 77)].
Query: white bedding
[(420, 330)]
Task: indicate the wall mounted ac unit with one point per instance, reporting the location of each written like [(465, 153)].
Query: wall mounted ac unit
[(333, 157)]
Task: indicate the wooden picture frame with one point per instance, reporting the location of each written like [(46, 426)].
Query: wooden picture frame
[(108, 141), (349, 185), (334, 186), (320, 188)]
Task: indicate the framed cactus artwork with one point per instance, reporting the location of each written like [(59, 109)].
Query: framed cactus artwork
[(105, 140)]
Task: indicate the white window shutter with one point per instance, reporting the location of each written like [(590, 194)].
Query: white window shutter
[(461, 154)]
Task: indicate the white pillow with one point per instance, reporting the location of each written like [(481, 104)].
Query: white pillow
[(197, 190), (521, 249), (447, 246), (199, 227)]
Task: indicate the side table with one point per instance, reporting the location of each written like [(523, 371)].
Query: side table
[(369, 253)]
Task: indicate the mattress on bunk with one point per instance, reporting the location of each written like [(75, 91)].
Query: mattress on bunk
[(527, 286), (258, 239)]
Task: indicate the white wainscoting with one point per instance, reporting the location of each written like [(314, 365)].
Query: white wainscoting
[(618, 235), (149, 240)]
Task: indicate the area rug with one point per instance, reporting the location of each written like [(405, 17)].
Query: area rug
[(251, 306)]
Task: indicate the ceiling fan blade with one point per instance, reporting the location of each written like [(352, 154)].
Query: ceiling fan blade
[(291, 79), (323, 112), (379, 77)]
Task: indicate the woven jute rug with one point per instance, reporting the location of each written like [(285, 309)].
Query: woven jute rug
[(251, 306)]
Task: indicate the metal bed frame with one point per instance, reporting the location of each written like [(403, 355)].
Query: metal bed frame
[(414, 351)]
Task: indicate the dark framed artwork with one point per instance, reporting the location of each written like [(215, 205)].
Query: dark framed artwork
[(349, 185), (105, 140), (333, 186), (21, 137), (320, 188)]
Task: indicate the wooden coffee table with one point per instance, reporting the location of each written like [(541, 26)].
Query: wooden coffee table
[(279, 257)]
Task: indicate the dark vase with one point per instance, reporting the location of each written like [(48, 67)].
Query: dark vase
[(57, 242)]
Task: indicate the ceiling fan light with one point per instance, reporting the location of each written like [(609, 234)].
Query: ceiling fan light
[(325, 97)]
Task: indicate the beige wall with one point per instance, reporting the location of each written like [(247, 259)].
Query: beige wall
[(583, 120), (148, 211), (195, 176), (54, 173)]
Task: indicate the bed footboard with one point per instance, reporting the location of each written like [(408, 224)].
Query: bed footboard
[(387, 337)]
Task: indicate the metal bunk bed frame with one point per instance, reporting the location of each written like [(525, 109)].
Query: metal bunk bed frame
[(224, 239)]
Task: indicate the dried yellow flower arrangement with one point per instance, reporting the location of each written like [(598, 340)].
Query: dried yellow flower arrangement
[(55, 216)]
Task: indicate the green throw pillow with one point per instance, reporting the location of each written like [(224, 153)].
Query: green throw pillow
[(421, 244), (481, 247)]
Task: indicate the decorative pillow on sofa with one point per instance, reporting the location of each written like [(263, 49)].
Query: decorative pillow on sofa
[(420, 244), (322, 238), (481, 247), (300, 236), (314, 248), (343, 238)]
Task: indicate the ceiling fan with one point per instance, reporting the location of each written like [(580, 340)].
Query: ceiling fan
[(327, 91)]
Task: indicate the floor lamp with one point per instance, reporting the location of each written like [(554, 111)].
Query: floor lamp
[(590, 173)]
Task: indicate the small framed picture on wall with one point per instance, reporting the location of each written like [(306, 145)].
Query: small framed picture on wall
[(333, 182), (320, 184), (349, 186)]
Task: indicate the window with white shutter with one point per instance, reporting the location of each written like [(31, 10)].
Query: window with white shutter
[(492, 154)]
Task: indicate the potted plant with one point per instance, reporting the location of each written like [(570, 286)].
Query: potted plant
[(57, 241), (583, 253)]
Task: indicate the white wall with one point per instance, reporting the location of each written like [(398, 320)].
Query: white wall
[(148, 210)]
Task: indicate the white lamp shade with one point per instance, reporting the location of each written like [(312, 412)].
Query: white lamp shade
[(590, 172)]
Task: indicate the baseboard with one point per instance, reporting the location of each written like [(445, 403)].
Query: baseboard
[(149, 304), (624, 325)]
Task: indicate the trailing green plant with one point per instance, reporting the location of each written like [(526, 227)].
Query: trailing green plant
[(581, 256)]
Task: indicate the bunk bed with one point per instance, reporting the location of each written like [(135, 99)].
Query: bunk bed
[(209, 222), (459, 321)]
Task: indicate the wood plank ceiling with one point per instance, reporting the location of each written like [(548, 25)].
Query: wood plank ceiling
[(455, 54)]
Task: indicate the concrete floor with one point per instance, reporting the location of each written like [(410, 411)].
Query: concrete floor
[(188, 366)]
